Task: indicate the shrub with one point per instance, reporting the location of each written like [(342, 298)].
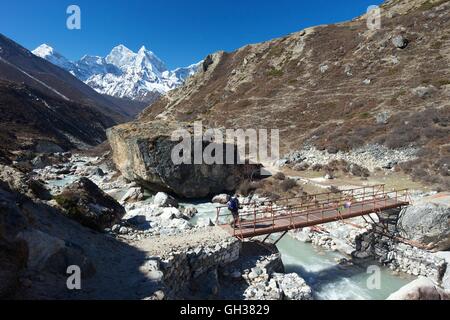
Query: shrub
[(364, 115), (279, 176), (436, 45), (329, 169), (332, 150), (301, 166), (418, 174), (247, 187), (69, 203), (358, 171), (270, 195), (436, 133), (334, 189), (428, 5), (443, 82), (400, 139), (275, 73), (288, 184)]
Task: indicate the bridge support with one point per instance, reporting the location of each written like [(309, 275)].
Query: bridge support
[(276, 241), (281, 237), (378, 241)]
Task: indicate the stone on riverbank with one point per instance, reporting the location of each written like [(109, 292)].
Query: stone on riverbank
[(164, 200), (427, 222), (420, 289), (84, 202), (133, 195), (280, 287), (293, 287), (221, 198)]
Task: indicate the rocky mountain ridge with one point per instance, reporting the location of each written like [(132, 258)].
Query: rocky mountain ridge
[(140, 76), (45, 105)]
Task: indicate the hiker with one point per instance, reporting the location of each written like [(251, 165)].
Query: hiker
[(348, 204), (233, 206)]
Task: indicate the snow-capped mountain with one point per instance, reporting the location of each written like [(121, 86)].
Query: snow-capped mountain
[(123, 73), (47, 52)]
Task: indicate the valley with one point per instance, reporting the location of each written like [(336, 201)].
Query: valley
[(89, 177)]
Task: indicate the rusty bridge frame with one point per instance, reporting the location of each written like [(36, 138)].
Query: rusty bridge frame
[(283, 215)]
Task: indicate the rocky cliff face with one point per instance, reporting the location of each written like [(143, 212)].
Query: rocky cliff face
[(336, 87), (143, 153)]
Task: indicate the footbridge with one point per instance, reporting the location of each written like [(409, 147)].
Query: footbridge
[(280, 216)]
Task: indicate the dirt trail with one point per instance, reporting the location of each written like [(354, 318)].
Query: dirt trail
[(163, 245)]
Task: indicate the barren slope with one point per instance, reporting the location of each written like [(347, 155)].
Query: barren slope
[(327, 86)]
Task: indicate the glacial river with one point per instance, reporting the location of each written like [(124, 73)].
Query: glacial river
[(321, 270), (319, 267)]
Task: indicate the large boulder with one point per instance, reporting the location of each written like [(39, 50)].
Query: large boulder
[(420, 289), (27, 247), (13, 252), (445, 281), (221, 198), (134, 194), (163, 200), (400, 42), (143, 153), (293, 287), (19, 182), (13, 178), (84, 202), (427, 222)]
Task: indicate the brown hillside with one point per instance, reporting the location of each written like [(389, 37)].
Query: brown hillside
[(326, 85)]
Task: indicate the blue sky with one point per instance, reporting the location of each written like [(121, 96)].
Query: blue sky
[(180, 32)]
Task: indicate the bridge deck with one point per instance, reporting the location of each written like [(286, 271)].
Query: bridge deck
[(295, 218)]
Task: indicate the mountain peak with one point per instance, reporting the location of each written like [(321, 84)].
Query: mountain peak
[(122, 73), (120, 56), (43, 50), (46, 52), (122, 47)]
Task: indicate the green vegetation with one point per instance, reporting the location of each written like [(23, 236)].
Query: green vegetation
[(288, 184), (275, 73), (436, 46), (394, 71), (276, 51), (69, 204), (443, 82), (431, 4), (330, 105), (365, 115), (437, 83)]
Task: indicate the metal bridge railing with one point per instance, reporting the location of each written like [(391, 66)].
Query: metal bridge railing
[(366, 199)]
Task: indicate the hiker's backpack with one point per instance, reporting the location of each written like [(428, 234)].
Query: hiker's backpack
[(233, 204)]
